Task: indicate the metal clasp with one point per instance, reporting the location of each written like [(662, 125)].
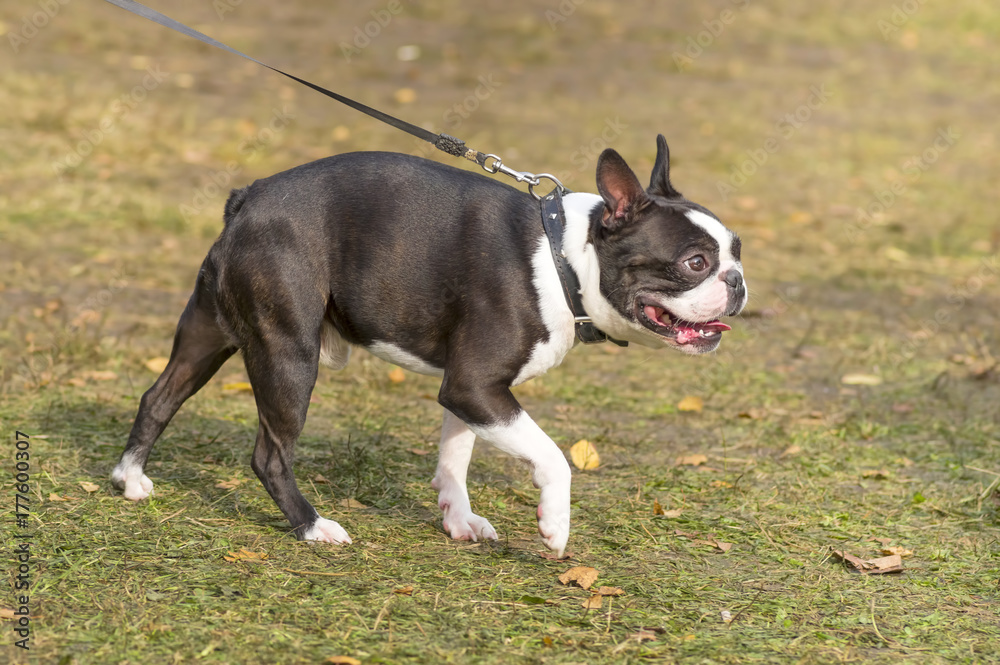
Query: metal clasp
[(533, 180)]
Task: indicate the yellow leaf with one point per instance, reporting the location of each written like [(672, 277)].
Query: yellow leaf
[(610, 591), (342, 660), (582, 576), (404, 591), (230, 484), (584, 455), (861, 380), (157, 364), (397, 375), (593, 603), (691, 460), (55, 497), (657, 508), (895, 549), (691, 403), (89, 487), (245, 555), (721, 483), (238, 387)]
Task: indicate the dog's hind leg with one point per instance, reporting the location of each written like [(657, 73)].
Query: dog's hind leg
[(455, 452), (282, 366), (200, 348)]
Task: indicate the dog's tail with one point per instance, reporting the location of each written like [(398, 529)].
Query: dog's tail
[(233, 204)]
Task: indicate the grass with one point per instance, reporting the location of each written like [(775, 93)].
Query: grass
[(99, 259)]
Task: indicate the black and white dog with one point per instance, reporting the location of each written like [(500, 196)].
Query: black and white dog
[(357, 250)]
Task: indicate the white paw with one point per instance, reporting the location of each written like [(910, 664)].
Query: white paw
[(130, 478), (327, 531), (468, 526), (553, 519)]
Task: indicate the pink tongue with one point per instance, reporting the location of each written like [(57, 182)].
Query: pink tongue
[(686, 334)]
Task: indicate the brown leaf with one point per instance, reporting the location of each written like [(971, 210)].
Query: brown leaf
[(876, 474), (657, 508), (245, 555), (752, 414), (723, 547), (888, 564), (593, 603), (230, 484), (404, 591), (320, 480), (673, 514), (793, 449), (582, 576), (6, 613), (642, 635), (609, 591), (721, 483), (89, 487), (351, 503), (901, 551), (691, 460), (584, 455), (691, 403)]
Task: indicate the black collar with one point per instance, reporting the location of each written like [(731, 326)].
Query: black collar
[(554, 222)]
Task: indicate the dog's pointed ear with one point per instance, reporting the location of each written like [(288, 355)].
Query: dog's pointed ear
[(659, 183), (619, 187)]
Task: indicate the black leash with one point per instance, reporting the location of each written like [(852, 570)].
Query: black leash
[(449, 144), (554, 222)]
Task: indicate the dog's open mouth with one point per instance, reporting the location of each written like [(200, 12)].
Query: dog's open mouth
[(665, 324)]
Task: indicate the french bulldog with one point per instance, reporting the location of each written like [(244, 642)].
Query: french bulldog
[(443, 272)]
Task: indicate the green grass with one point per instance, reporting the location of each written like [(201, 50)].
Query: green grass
[(99, 260)]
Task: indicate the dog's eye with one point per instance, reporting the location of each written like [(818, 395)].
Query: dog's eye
[(696, 263)]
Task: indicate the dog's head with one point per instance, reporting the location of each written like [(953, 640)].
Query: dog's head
[(669, 269)]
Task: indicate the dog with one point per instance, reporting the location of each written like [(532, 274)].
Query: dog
[(442, 272)]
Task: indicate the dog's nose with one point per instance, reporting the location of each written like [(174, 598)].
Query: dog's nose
[(734, 278)]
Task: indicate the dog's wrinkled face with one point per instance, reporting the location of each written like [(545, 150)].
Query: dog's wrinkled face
[(668, 266)]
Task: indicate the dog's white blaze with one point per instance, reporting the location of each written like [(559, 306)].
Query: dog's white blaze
[(525, 440), (457, 442), (397, 356), (555, 313), (718, 231), (334, 351)]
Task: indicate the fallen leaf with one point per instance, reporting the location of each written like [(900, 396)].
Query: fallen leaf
[(547, 641), (351, 503), (342, 660), (642, 635), (657, 508), (55, 497), (609, 591), (157, 364), (584, 455), (673, 514), (691, 403), (245, 555), (404, 591), (237, 387), (901, 551), (89, 487), (861, 380), (397, 375), (877, 474), (230, 484), (691, 460), (320, 480), (752, 414), (723, 547), (593, 603), (405, 96), (793, 449), (721, 483), (6, 613), (100, 375), (582, 576), (888, 564)]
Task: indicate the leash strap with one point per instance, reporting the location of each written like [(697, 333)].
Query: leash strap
[(554, 221), (443, 142)]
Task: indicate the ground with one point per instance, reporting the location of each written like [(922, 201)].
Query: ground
[(852, 409)]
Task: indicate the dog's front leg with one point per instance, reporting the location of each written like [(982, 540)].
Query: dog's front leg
[(460, 522), (524, 439), (494, 415)]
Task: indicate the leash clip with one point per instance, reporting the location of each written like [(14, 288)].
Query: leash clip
[(533, 180)]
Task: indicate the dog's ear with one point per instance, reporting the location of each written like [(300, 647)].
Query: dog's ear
[(659, 183), (619, 188)]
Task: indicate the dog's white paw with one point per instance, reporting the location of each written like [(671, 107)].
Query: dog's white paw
[(467, 526), (553, 519), (129, 478), (327, 531)]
